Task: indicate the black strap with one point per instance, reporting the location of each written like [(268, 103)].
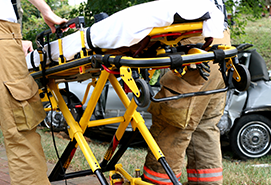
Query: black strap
[(219, 56), (174, 50), (14, 4), (178, 19), (62, 58), (52, 62), (176, 61), (89, 42), (105, 60), (117, 61), (43, 67), (89, 39), (32, 61), (100, 16), (42, 52)]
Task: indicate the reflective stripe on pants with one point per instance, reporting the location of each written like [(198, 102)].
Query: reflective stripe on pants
[(204, 175), (158, 178)]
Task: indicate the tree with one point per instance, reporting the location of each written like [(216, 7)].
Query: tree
[(241, 11), (32, 21), (93, 7)]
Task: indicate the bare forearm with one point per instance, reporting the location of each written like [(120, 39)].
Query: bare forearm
[(49, 16), (41, 5)]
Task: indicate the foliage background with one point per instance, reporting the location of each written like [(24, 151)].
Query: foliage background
[(33, 23)]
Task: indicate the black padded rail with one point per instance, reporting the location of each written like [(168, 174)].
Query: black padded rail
[(135, 62), (63, 67), (163, 61)]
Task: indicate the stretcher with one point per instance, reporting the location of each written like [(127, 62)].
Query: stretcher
[(103, 65)]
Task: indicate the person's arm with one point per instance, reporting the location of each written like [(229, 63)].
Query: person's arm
[(49, 16)]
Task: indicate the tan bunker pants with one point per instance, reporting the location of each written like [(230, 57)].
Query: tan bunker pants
[(188, 126), (20, 112)]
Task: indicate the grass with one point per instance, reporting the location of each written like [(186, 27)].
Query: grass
[(238, 172), (258, 34), (98, 148), (235, 172)]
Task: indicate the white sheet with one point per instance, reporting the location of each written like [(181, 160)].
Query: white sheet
[(131, 25)]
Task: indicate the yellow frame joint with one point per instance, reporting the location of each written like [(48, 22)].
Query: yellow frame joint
[(126, 75), (235, 75)]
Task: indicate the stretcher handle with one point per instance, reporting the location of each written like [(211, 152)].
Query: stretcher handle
[(77, 22), (158, 62)]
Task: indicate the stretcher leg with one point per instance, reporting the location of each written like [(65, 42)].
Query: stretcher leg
[(76, 133), (58, 173), (119, 133), (138, 122)]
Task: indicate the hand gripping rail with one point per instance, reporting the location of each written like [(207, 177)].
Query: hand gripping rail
[(77, 22)]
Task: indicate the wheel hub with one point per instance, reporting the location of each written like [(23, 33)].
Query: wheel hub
[(255, 138), (57, 118)]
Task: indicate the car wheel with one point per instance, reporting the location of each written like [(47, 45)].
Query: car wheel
[(251, 136), (56, 118)]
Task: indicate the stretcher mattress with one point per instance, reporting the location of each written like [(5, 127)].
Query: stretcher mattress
[(131, 25)]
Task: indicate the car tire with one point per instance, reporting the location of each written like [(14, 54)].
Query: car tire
[(59, 123), (250, 136)]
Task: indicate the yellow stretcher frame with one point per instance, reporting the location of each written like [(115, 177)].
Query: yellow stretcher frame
[(77, 129), (72, 71)]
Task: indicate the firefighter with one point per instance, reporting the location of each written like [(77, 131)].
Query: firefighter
[(188, 126), (21, 109)]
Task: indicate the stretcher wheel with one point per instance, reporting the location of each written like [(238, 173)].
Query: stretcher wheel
[(56, 118), (144, 98), (245, 78)]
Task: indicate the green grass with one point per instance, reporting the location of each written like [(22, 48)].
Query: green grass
[(258, 33), (235, 172), (132, 159), (241, 172)]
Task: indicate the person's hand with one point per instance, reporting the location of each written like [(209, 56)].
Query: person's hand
[(204, 70), (27, 46), (50, 18)]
